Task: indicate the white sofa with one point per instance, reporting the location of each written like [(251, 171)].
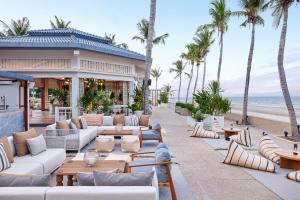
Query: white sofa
[(43, 163)]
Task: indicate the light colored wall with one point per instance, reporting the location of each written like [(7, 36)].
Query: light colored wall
[(12, 93)]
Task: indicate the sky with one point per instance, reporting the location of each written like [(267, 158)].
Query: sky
[(180, 19)]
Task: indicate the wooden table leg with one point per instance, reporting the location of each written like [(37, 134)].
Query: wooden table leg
[(70, 180), (289, 164), (59, 180)]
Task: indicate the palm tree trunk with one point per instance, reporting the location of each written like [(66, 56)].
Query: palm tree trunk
[(220, 58), (189, 85), (179, 88), (156, 93), (196, 82), (148, 61), (282, 77), (204, 73), (249, 65)]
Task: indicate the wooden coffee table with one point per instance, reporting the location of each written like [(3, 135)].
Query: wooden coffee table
[(71, 167), (116, 133), (230, 131), (288, 160)]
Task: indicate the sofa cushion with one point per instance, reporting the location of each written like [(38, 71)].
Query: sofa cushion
[(20, 141), (36, 145), (150, 135), (268, 148), (87, 179), (119, 119), (76, 121), (24, 180), (144, 120), (62, 125), (28, 167), (294, 175), (155, 125), (49, 159), (123, 179), (162, 155), (131, 120), (4, 162), (73, 126), (12, 145), (7, 149), (93, 119), (108, 121), (161, 145), (198, 131), (23, 193), (83, 123)]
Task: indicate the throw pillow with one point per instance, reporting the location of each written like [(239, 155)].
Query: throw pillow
[(108, 121), (36, 145), (73, 126), (131, 120), (162, 155), (198, 131), (119, 119), (236, 155), (76, 121), (62, 124), (144, 120), (123, 179), (268, 148), (16, 180), (294, 175), (83, 123), (243, 138), (93, 119), (87, 179), (4, 164), (161, 145), (7, 149), (20, 141)]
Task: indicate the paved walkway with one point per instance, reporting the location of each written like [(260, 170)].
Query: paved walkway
[(202, 167)]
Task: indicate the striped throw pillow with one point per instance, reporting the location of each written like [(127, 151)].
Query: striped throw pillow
[(4, 162), (93, 119), (198, 131), (294, 175), (236, 155), (243, 138), (268, 148), (131, 120)]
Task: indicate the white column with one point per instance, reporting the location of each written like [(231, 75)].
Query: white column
[(131, 91), (75, 96), (125, 92)]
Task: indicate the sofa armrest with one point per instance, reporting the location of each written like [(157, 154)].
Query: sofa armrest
[(62, 138)]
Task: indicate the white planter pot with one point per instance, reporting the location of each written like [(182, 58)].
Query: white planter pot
[(163, 105), (190, 121), (138, 113), (200, 124), (209, 119)]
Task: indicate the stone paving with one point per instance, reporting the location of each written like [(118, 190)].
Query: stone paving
[(202, 166)]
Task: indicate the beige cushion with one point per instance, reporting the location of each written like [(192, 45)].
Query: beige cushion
[(119, 119), (7, 149), (198, 131), (20, 141), (105, 143), (93, 119), (236, 155), (243, 138), (130, 143), (62, 124), (268, 148), (76, 121), (144, 120), (294, 175)]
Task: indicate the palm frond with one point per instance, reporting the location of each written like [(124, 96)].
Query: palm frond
[(160, 39)]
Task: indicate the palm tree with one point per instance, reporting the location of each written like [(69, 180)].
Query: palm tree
[(281, 11), (59, 23), (251, 11), (156, 73), (179, 68), (204, 38), (148, 60), (198, 60), (220, 17), (112, 39), (143, 27), (18, 27)]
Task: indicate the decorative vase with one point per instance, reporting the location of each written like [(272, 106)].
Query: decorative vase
[(119, 127), (90, 158)]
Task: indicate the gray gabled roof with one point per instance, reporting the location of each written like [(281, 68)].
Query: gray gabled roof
[(15, 76), (67, 38)]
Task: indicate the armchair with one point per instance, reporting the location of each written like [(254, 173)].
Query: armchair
[(154, 133)]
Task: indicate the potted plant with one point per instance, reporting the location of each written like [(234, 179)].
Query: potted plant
[(199, 117), (103, 102), (138, 101), (211, 103)]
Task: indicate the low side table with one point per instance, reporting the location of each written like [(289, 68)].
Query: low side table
[(230, 131), (288, 160), (117, 133)]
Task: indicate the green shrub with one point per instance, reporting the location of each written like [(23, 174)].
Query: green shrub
[(198, 116), (164, 97), (190, 107), (179, 104)]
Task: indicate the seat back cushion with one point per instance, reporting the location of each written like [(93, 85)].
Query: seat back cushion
[(155, 125), (123, 179), (93, 119), (268, 148), (14, 180), (83, 123), (144, 120), (119, 119), (7, 149), (4, 162), (87, 179), (161, 145), (63, 124), (20, 141), (236, 155), (131, 120), (12, 145), (76, 121), (108, 121), (36, 145), (243, 138), (162, 155)]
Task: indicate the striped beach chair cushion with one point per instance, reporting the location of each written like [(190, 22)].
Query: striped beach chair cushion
[(4, 162), (294, 175), (236, 155), (215, 126), (268, 148), (243, 138), (198, 131)]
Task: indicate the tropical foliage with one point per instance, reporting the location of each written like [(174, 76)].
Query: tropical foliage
[(112, 39), (165, 93), (138, 99), (16, 27), (59, 97), (156, 73), (59, 23), (178, 70)]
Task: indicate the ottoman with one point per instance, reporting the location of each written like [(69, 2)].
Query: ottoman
[(130, 143), (105, 143)]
